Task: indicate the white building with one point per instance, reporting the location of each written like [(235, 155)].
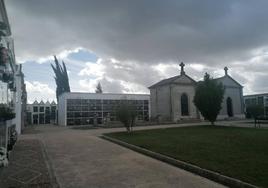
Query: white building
[(88, 108), (12, 87), (42, 113), (172, 98)]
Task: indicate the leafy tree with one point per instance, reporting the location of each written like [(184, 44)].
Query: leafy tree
[(255, 111), (208, 98), (61, 77), (98, 88), (127, 115)]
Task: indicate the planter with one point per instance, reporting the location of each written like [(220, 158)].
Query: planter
[(7, 77), (6, 113)]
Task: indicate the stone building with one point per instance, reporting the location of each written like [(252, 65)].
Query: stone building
[(42, 113), (172, 98)]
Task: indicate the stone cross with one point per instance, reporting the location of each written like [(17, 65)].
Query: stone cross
[(182, 68), (226, 70)]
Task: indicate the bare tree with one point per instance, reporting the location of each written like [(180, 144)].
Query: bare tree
[(127, 115)]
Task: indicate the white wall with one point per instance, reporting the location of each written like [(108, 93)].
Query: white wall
[(235, 92), (62, 111), (165, 99), (18, 101)]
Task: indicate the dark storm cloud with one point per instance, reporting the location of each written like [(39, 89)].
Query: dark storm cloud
[(149, 31), (148, 38)]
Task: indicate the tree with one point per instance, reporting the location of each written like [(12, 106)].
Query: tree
[(127, 115), (208, 98), (61, 77), (255, 111), (98, 88)]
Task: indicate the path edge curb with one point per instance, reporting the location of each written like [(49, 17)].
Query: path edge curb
[(52, 175), (215, 176)]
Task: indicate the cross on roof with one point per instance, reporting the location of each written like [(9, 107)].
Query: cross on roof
[(182, 68), (226, 70)]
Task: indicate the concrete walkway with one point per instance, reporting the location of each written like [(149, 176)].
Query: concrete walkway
[(27, 167), (81, 159)]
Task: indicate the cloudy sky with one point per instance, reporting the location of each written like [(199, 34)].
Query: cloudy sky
[(128, 45)]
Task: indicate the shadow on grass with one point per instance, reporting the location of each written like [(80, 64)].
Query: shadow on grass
[(241, 153)]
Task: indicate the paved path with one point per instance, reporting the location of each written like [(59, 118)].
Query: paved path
[(27, 167), (81, 159)]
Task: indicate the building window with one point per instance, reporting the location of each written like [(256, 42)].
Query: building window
[(260, 101), (41, 119), (41, 109), (47, 110), (35, 108), (184, 105), (253, 101), (247, 102), (95, 110), (35, 119)]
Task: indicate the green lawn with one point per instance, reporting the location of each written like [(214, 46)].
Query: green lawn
[(236, 152)]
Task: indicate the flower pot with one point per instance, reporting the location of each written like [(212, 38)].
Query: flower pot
[(6, 113), (7, 77)]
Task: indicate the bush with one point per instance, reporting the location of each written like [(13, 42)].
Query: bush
[(255, 111), (127, 115), (208, 98)]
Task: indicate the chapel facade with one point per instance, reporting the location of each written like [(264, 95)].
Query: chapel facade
[(172, 98)]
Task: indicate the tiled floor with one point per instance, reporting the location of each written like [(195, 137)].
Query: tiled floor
[(27, 166)]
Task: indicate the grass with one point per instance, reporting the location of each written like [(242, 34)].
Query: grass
[(241, 153)]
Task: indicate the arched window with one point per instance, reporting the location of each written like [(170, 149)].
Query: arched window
[(184, 105), (229, 103)]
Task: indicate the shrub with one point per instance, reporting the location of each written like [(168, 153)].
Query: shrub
[(208, 98), (127, 115), (255, 111)]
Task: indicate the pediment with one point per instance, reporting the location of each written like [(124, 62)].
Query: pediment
[(184, 79), (228, 81)]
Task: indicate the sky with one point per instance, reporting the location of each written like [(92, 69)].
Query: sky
[(129, 45)]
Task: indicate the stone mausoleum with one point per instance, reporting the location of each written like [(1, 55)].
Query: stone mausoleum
[(172, 98)]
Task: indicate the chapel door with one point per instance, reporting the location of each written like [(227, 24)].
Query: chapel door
[(229, 107), (184, 105)]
